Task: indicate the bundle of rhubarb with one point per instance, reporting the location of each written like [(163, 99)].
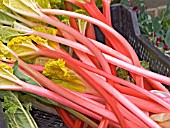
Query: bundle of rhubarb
[(48, 51)]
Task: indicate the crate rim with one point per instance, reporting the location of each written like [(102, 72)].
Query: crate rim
[(139, 35)]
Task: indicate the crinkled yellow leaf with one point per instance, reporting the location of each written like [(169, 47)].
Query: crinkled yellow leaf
[(58, 72), (22, 45), (25, 46), (38, 40), (6, 68), (4, 53), (7, 71), (43, 42), (70, 85), (57, 68), (48, 30)]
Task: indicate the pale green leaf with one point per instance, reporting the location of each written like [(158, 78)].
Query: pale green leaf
[(15, 114), (5, 19), (31, 4), (168, 38), (156, 24), (41, 60), (19, 7), (30, 59), (7, 33)]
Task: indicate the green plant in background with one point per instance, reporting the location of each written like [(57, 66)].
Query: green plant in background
[(155, 28)]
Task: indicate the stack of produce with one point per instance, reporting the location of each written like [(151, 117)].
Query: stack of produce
[(49, 52)]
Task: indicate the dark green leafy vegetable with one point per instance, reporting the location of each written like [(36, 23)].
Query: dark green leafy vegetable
[(16, 115), (23, 76), (46, 103), (145, 64), (29, 80), (122, 73)]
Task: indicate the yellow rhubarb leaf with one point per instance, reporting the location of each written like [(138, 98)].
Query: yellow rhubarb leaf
[(58, 72)]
